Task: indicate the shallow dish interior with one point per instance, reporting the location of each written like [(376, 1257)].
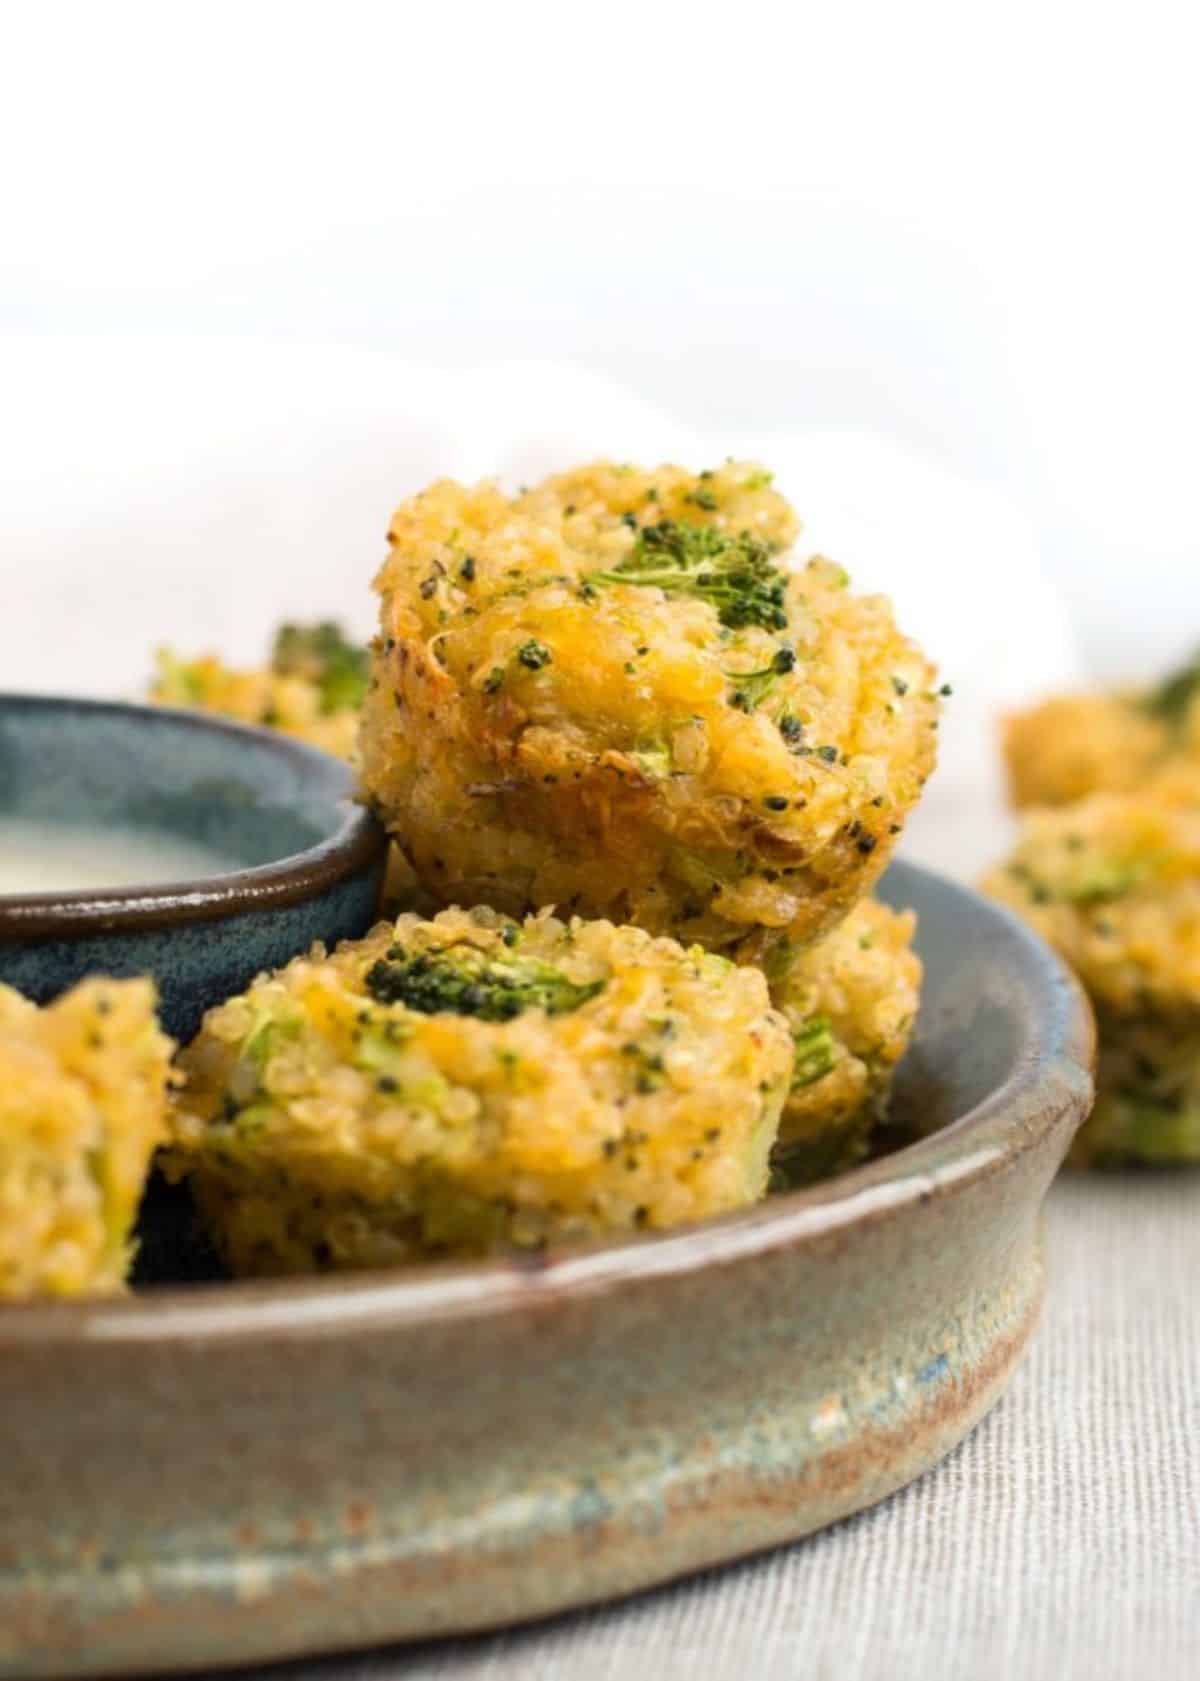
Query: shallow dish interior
[(307, 860), (252, 797)]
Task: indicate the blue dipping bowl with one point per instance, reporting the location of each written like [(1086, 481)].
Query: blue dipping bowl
[(311, 860)]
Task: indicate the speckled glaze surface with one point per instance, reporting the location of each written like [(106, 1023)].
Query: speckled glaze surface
[(313, 860), (241, 1472)]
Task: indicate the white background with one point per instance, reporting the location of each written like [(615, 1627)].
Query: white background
[(972, 229)]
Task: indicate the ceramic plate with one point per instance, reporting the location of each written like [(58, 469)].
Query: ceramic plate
[(222, 1473)]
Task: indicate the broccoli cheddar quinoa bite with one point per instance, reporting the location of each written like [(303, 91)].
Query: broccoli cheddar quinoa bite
[(83, 1094), (851, 1000), (1113, 883), (611, 693), (458, 1085), (312, 688), (1078, 744)]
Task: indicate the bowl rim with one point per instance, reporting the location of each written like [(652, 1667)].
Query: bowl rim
[(1049, 1086), (355, 840)]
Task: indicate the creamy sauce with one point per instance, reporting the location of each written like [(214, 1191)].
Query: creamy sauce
[(41, 857)]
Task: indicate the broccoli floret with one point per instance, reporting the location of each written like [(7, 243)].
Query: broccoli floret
[(1106, 879), (653, 760), (814, 1052), (462, 981), (322, 654), (380, 1043), (1094, 883), (1174, 695), (1127, 1128), (180, 682), (267, 1033), (734, 574), (533, 655), (751, 688)]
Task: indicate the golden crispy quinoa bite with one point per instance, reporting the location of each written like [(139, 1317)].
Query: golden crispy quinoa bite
[(468, 1083), (851, 999), (610, 693), (83, 1090), (1073, 745), (1113, 883), (1175, 783), (311, 690)]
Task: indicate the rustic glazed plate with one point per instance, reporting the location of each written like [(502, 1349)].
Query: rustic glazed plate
[(235, 1472)]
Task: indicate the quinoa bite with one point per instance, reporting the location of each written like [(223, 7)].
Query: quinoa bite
[(1148, 1077), (1113, 883), (1070, 746), (83, 1094), (611, 693), (851, 999), (468, 1083), (312, 689)]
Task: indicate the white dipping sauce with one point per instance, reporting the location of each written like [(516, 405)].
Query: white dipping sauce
[(41, 857)]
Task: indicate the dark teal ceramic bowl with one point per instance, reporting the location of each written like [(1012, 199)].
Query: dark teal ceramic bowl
[(310, 861)]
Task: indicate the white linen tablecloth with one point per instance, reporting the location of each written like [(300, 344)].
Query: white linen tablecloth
[(1060, 1542)]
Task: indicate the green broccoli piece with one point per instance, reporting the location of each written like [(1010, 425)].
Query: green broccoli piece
[(751, 688), (734, 574), (533, 655), (179, 681), (1127, 1129), (814, 1052), (322, 654), (463, 981), (654, 760), (1173, 696), (1106, 879)]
